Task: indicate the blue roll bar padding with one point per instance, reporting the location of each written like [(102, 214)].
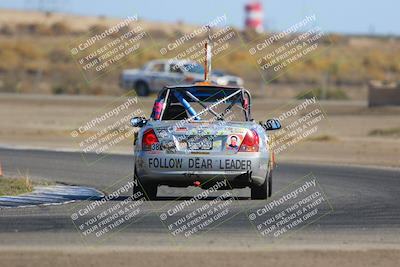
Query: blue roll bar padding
[(186, 105)]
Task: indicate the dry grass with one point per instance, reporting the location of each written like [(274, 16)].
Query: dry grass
[(322, 138), (15, 186), (388, 132), (46, 65), (19, 184)]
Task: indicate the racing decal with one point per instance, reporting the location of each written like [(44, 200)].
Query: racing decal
[(165, 163), (168, 146), (222, 132), (181, 129), (199, 164), (193, 131), (235, 164), (154, 152), (156, 146), (162, 133), (217, 144), (233, 142), (183, 145)]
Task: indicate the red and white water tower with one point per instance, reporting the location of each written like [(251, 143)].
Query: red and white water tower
[(254, 16)]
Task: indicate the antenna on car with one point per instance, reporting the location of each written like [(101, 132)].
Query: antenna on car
[(207, 61)]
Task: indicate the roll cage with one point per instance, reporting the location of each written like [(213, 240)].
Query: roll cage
[(178, 99)]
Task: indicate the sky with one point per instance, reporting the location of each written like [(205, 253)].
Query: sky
[(342, 16)]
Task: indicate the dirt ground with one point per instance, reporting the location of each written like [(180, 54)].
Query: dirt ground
[(200, 257), (37, 121), (344, 137)]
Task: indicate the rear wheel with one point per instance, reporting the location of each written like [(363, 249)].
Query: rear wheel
[(149, 190), (142, 89), (265, 190)]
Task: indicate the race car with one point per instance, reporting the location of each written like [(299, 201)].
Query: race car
[(202, 134)]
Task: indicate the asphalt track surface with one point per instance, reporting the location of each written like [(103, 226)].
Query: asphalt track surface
[(365, 204)]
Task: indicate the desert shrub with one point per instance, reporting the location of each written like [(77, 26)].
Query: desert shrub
[(250, 35), (97, 28), (30, 28), (59, 28), (158, 34), (394, 132), (58, 90), (59, 55), (95, 90), (33, 28), (7, 30), (334, 38), (9, 58), (176, 34), (25, 52), (321, 138)]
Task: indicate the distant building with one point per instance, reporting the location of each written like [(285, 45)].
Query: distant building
[(254, 16)]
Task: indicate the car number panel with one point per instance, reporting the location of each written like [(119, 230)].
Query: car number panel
[(200, 142)]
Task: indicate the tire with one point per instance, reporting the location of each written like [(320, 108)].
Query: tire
[(263, 191), (142, 89), (269, 183), (149, 190)]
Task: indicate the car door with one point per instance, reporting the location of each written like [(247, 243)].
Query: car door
[(157, 74)]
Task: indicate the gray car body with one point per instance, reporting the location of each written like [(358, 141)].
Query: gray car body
[(171, 164)]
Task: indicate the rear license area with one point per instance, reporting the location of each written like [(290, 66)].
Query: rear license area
[(201, 143), (197, 142)]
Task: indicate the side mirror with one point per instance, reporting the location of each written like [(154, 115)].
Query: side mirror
[(138, 122), (272, 124)]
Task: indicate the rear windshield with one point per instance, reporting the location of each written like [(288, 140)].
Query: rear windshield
[(205, 104)]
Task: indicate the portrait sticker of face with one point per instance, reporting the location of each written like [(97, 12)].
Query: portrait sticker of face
[(233, 142)]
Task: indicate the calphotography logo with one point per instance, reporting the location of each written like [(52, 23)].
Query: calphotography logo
[(100, 52), (301, 120), (107, 129), (282, 50), (98, 219), (300, 204), (201, 213)]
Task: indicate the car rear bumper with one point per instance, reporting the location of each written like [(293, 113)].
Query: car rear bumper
[(183, 170)]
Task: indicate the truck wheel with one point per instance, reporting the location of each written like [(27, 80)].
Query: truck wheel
[(149, 190), (265, 190), (142, 89)]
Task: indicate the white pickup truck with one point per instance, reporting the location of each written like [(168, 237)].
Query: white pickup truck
[(157, 74)]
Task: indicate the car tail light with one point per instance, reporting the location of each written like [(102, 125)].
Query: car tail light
[(250, 142), (149, 139)]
